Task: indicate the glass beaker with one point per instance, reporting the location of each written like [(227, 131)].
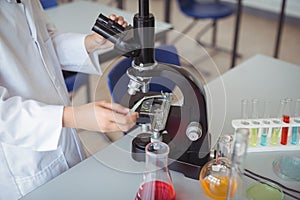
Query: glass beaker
[(157, 183), (224, 146)]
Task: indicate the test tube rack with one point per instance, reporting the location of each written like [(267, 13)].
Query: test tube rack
[(272, 123)]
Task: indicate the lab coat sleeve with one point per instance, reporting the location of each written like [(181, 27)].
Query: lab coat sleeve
[(28, 123), (71, 51)]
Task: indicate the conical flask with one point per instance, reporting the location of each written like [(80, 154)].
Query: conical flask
[(157, 183)]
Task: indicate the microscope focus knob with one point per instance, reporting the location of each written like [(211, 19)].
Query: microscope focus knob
[(194, 131), (133, 87)]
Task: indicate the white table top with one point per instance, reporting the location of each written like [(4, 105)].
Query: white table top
[(80, 16), (260, 77), (113, 174)]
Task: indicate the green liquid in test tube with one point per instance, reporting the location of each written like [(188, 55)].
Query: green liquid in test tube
[(253, 137), (295, 129), (275, 134), (245, 113), (276, 130), (254, 131)]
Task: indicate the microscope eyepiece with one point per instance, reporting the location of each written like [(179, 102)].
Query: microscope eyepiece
[(111, 24)]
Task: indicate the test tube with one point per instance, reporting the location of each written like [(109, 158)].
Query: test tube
[(265, 131), (295, 129), (245, 112), (254, 131), (276, 130), (275, 133), (285, 118)]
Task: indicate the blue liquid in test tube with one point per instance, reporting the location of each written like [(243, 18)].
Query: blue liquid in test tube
[(296, 130), (294, 135), (275, 134), (264, 137), (263, 140), (265, 131)]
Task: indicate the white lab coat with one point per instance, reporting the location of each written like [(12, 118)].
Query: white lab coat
[(34, 147)]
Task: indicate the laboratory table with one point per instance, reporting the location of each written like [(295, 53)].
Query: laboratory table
[(80, 16), (113, 174)]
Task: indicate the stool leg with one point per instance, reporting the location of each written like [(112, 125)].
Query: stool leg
[(214, 34), (213, 45), (187, 29), (236, 33), (279, 30)]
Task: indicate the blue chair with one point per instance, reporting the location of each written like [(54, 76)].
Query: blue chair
[(117, 79), (205, 9), (75, 80), (48, 3)]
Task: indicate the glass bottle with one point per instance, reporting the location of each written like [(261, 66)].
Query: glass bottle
[(224, 146), (236, 187), (295, 129), (157, 183)]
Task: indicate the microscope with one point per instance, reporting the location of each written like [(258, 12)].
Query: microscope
[(183, 127)]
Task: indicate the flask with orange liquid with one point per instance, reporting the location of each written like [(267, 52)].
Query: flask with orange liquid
[(220, 178), (214, 178)]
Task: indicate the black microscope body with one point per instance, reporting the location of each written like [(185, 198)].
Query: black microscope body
[(183, 127)]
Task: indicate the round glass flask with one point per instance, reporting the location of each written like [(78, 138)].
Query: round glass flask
[(214, 178), (222, 178), (157, 183)]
